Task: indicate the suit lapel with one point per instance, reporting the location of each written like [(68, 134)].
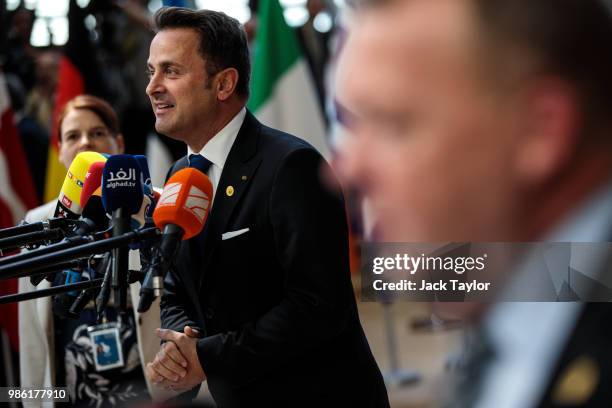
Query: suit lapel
[(239, 168)]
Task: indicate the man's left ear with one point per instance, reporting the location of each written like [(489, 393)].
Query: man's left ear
[(226, 83), (551, 136)]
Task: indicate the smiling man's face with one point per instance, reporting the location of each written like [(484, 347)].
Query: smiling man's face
[(179, 87)]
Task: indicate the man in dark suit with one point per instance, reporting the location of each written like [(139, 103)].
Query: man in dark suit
[(260, 304)]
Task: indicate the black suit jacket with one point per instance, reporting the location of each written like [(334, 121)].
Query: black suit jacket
[(275, 304), (587, 356)]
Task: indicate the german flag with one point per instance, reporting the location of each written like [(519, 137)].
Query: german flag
[(79, 72)]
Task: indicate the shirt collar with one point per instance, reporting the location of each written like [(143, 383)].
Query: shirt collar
[(508, 322), (218, 147), (591, 222)]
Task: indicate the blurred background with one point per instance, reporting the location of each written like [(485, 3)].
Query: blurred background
[(109, 48)]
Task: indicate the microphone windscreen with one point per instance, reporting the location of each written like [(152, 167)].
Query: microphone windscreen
[(70, 195), (147, 183), (139, 219), (144, 168), (185, 202), (94, 210), (93, 181), (122, 184)]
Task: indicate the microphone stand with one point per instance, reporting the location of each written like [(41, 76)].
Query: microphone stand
[(61, 223), (119, 265), (12, 243), (21, 268), (68, 243), (58, 267), (35, 294)]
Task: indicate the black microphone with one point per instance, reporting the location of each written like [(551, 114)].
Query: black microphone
[(105, 290), (122, 196), (78, 238), (68, 243), (11, 244), (145, 246), (26, 228), (47, 236), (147, 185), (104, 294), (86, 295), (55, 268), (85, 227), (33, 265), (62, 303), (35, 294)]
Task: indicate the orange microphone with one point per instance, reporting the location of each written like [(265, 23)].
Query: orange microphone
[(180, 213), (184, 202)]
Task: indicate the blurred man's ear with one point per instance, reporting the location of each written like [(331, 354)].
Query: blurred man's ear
[(120, 144), (550, 136)]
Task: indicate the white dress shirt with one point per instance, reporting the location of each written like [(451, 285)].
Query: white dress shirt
[(217, 149)]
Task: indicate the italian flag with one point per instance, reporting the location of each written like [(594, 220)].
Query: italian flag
[(283, 94)]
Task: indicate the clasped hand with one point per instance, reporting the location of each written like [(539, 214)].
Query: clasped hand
[(176, 366)]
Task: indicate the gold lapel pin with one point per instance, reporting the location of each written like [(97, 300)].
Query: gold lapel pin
[(244, 178), (229, 191), (578, 382)]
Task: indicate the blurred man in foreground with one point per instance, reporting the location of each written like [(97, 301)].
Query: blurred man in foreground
[(488, 120)]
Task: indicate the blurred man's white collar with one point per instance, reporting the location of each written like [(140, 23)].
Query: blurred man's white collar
[(591, 222)]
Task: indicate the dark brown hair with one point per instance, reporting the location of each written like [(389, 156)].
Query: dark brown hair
[(570, 39), (223, 41)]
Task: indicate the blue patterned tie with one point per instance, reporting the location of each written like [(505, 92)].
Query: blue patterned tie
[(197, 161)]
